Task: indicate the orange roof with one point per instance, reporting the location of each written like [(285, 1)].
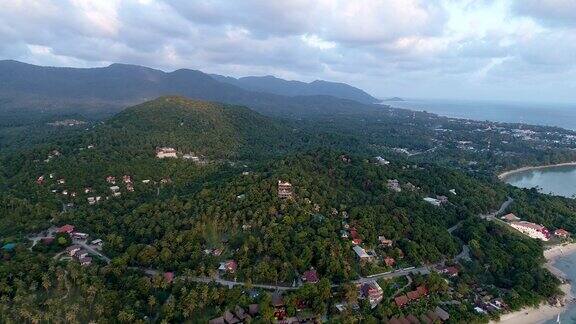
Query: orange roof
[(401, 300)]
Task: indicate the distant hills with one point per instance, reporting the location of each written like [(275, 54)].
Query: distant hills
[(271, 84), (97, 92)]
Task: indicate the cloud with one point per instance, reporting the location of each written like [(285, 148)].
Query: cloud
[(390, 47)]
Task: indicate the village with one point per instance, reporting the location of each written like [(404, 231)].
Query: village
[(383, 255)]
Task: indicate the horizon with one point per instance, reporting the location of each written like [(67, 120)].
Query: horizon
[(468, 50)]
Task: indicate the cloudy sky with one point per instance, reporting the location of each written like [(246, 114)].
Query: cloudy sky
[(521, 50)]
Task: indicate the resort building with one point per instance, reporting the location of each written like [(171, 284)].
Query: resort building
[(166, 152), (533, 230), (562, 233), (372, 292)]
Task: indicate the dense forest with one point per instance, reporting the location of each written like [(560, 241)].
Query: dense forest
[(186, 217)]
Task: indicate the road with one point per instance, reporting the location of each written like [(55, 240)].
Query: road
[(92, 250), (503, 208)]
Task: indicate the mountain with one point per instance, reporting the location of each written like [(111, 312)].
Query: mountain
[(393, 99), (271, 84), (206, 128), (97, 92)]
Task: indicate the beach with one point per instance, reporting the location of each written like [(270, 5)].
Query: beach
[(545, 312), (528, 168)]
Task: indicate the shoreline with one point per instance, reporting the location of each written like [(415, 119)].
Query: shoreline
[(505, 174), (545, 312)]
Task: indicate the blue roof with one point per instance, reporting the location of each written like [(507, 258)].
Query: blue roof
[(9, 246)]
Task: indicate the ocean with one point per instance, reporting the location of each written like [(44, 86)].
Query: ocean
[(558, 180), (567, 264), (549, 114)]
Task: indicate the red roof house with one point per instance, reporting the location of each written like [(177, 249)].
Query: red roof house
[(562, 233), (169, 276), (66, 229), (389, 261), (310, 276), (401, 301)]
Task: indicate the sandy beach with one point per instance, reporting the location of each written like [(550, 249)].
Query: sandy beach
[(527, 168), (545, 312)]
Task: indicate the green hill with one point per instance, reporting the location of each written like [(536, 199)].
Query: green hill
[(205, 128)]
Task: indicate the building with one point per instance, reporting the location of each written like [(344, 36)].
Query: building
[(433, 201), (362, 254), (562, 233), (510, 218), (394, 185), (381, 161), (389, 261), (284, 189), (66, 229), (385, 242), (401, 301), (229, 266), (372, 292), (72, 249), (533, 230), (166, 152), (85, 261), (310, 276), (79, 236)]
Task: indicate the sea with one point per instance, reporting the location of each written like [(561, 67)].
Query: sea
[(557, 180), (567, 264), (549, 114)]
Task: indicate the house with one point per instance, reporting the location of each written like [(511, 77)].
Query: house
[(169, 277), (97, 242), (85, 261), (166, 152), (253, 309), (80, 254), (93, 200), (562, 233), (389, 261), (433, 201), (40, 180), (61, 181), (532, 230), (362, 254), (146, 181), (401, 300), (394, 185), (230, 318), (450, 271), (129, 187), (66, 229), (191, 157), (72, 249), (372, 292), (127, 179), (79, 236), (217, 320), (381, 161), (385, 242), (229, 266), (452, 191), (241, 313), (442, 199), (442, 314), (284, 189), (114, 188), (510, 218), (310, 276), (47, 240), (111, 179)]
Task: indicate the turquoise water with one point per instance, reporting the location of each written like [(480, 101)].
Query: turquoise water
[(561, 115), (559, 181), (567, 264)]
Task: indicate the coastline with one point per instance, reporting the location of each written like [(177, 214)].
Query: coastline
[(545, 312), (505, 174)]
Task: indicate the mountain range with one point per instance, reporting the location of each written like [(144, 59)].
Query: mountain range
[(96, 92)]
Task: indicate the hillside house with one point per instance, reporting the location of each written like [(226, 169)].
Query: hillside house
[(562, 233), (85, 261), (372, 292), (389, 261), (532, 230), (111, 179), (72, 249), (310, 276), (381, 161), (362, 255), (229, 266), (432, 201), (385, 242), (394, 185), (79, 236), (166, 152), (127, 179), (284, 189), (66, 229)]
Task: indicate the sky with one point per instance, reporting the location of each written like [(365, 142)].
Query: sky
[(516, 50)]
